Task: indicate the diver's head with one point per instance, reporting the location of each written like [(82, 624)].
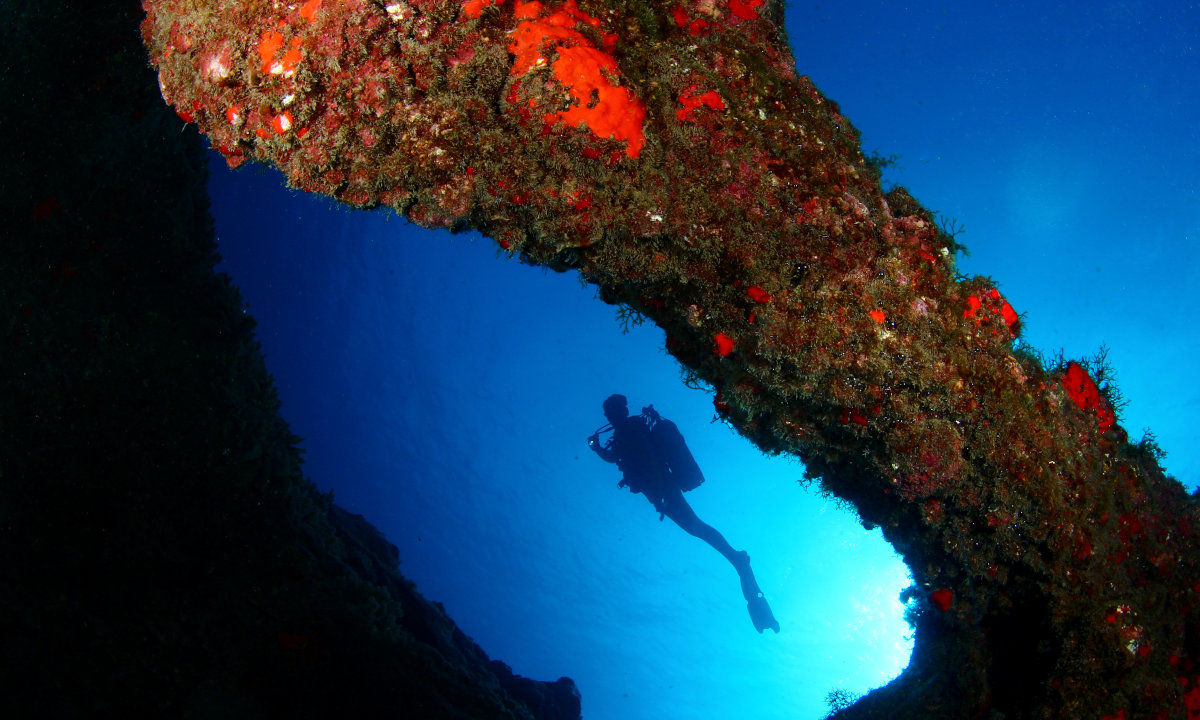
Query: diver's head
[(616, 407)]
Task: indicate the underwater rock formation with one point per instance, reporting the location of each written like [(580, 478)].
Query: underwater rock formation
[(161, 554), (670, 153)]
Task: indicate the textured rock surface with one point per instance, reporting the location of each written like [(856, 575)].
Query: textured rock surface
[(671, 154), (160, 552)]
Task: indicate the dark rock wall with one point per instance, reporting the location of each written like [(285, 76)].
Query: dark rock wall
[(161, 553)]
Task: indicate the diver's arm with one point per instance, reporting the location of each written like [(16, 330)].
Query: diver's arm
[(606, 454)]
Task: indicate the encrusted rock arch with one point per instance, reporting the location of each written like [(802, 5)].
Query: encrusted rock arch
[(672, 154)]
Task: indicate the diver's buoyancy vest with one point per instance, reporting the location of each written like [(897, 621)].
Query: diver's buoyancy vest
[(653, 451), (670, 445)]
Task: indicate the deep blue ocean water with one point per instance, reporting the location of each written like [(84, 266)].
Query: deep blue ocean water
[(445, 391)]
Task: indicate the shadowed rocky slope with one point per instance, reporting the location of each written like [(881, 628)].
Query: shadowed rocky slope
[(161, 553)]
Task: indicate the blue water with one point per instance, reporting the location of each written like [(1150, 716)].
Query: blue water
[(445, 391)]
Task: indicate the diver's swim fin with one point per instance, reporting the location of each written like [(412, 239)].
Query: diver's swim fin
[(761, 615)]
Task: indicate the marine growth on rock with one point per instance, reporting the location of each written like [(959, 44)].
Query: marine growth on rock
[(671, 153)]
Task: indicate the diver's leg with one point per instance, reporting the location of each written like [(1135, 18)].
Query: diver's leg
[(677, 508)]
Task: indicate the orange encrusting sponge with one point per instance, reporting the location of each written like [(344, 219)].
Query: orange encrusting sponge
[(608, 110), (268, 45), (1083, 392), (691, 101), (474, 8), (616, 113)]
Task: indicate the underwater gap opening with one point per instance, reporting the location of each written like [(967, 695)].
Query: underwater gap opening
[(447, 395)]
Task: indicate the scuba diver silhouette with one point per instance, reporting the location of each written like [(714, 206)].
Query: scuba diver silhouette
[(655, 462)]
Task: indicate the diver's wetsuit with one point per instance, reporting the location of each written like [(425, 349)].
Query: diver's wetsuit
[(646, 471), (632, 449)]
